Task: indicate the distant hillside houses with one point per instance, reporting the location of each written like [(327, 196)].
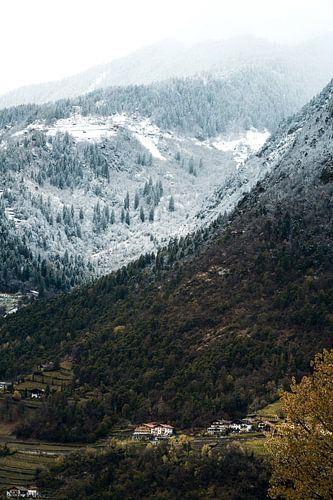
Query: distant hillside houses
[(5, 386), (221, 427), (22, 492), (241, 426), (153, 431), (32, 393), (46, 367)]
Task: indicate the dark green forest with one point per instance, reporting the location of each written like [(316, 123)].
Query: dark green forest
[(168, 472)]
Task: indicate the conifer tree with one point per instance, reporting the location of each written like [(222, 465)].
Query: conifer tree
[(127, 218), (151, 215), (171, 204), (112, 217), (136, 201), (126, 201)]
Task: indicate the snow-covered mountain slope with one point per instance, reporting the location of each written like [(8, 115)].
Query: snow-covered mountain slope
[(302, 145), (241, 145), (111, 188), (307, 67), (202, 106), (89, 185)]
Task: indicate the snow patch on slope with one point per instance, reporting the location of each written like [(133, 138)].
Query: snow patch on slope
[(144, 131), (119, 243), (29, 128), (94, 128), (241, 147), (85, 128)]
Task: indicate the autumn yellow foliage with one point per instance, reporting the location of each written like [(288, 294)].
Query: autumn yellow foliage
[(302, 449)]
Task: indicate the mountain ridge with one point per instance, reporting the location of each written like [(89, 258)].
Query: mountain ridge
[(312, 60)]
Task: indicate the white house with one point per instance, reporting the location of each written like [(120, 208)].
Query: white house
[(37, 393), (162, 430), (218, 427), (4, 386), (241, 426), (263, 426), (33, 491), (153, 430), (143, 431)]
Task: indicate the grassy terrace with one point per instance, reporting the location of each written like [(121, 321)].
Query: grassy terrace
[(38, 447), (27, 458), (272, 411), (30, 456), (255, 445), (21, 468), (55, 379)]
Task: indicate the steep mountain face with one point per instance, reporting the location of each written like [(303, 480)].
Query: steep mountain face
[(95, 182), (307, 66), (217, 322)]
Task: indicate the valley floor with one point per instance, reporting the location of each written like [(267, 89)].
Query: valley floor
[(28, 457)]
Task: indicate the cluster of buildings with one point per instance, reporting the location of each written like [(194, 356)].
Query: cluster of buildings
[(22, 492), (153, 431), (5, 386), (34, 393), (222, 427)]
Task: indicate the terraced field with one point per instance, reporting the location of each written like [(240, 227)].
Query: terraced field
[(26, 458), (56, 380), (22, 467), (272, 412), (255, 445)]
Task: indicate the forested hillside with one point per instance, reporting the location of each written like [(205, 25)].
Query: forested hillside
[(205, 106), (91, 183), (213, 325), (159, 472), (20, 269)]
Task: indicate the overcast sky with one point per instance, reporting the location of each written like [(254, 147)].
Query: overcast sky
[(43, 40)]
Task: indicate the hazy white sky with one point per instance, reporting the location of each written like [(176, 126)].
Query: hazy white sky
[(43, 40)]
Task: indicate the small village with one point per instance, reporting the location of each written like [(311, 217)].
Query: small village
[(34, 388), (250, 424), (155, 431)]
